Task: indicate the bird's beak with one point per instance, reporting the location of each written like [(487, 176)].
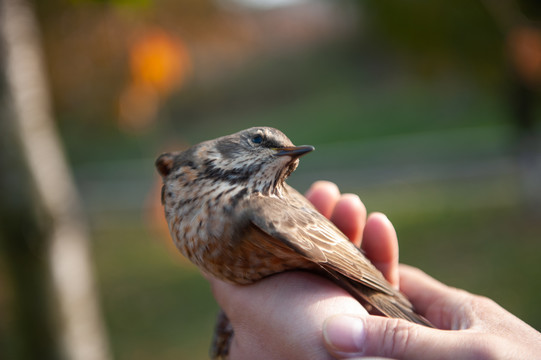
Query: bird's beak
[(294, 151)]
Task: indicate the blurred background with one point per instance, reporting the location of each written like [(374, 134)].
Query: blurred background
[(428, 110)]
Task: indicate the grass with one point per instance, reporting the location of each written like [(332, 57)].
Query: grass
[(156, 306)]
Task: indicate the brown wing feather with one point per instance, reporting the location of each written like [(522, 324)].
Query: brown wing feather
[(302, 228), (298, 225)]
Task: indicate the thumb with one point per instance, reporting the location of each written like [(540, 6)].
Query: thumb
[(350, 336)]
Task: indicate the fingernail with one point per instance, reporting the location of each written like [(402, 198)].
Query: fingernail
[(344, 333)]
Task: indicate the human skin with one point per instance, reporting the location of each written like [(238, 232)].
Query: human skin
[(297, 315)]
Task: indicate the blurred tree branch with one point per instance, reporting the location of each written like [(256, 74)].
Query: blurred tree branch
[(55, 242)]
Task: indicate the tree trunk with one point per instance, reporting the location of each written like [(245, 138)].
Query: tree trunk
[(52, 248)]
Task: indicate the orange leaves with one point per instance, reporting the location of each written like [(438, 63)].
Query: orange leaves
[(524, 44), (160, 61), (160, 64)]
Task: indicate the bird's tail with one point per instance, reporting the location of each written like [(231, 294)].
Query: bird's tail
[(223, 334), (390, 307), (393, 305)]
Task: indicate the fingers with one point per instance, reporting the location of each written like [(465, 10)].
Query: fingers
[(348, 336), (349, 215), (484, 330), (346, 211), (380, 244), (446, 307), (421, 288), (323, 195)]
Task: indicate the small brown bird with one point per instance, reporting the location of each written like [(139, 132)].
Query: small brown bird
[(232, 214)]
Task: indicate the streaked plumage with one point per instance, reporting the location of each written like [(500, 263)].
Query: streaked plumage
[(231, 213)]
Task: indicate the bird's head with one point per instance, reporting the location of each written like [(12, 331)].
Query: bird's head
[(262, 156)]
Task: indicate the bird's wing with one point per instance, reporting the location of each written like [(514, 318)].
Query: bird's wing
[(298, 225)]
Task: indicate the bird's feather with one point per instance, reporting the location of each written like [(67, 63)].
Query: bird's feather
[(304, 230)]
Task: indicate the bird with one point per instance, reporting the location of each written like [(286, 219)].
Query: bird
[(232, 214)]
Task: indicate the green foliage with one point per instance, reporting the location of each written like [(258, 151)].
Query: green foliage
[(439, 35)]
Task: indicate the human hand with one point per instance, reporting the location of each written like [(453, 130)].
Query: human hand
[(282, 316), (484, 330)]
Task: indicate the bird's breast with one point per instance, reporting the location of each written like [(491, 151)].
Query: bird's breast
[(200, 217), (209, 229)]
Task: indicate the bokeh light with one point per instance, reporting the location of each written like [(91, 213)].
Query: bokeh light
[(160, 64)]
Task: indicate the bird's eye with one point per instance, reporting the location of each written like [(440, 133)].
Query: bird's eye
[(258, 139)]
